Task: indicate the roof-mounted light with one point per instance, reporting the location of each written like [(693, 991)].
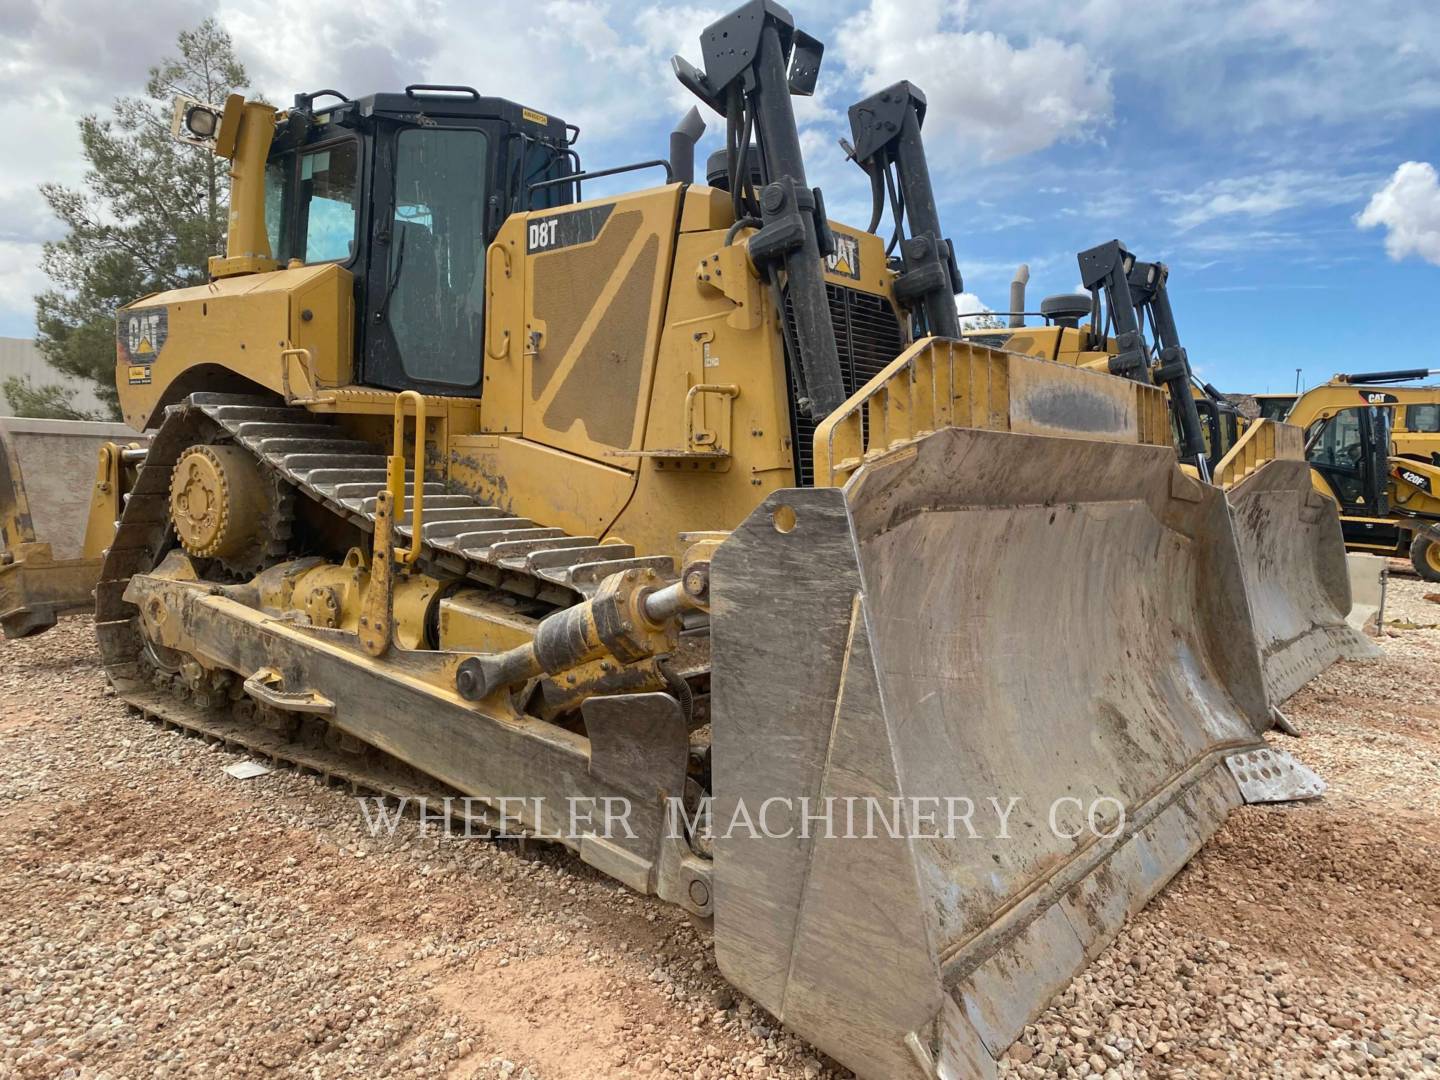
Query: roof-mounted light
[(195, 122)]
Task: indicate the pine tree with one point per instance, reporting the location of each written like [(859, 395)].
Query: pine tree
[(48, 401), (148, 217)]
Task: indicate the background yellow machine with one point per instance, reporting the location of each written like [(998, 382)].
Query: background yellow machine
[(686, 500), (1374, 446)]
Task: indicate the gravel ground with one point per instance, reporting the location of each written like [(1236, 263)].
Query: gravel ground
[(159, 918)]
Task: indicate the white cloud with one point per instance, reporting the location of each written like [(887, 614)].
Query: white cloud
[(988, 98), (1408, 206), (1224, 66), (1263, 195), (974, 313)]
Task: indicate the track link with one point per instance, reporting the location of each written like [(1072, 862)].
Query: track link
[(460, 535), (370, 772)]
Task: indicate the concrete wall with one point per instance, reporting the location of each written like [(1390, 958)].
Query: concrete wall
[(21, 356), (55, 460)]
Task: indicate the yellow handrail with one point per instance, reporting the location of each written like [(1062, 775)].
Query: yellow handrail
[(305, 366), (728, 390), (395, 473)]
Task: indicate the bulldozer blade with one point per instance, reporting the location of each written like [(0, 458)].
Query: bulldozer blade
[(969, 713), (1293, 555), (47, 468)]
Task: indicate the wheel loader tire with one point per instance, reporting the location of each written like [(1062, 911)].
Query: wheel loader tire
[(1425, 557)]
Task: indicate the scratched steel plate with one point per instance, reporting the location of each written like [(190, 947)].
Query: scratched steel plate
[(1272, 775)]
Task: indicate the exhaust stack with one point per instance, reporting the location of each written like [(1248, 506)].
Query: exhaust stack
[(682, 146), (1017, 296)]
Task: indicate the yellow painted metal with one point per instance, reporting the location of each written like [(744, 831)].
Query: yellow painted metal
[(52, 533), (247, 247), (395, 473), (1063, 344), (481, 621), (378, 609), (505, 330), (938, 383), (594, 313), (106, 496), (241, 331), (1261, 442), (520, 477), (1326, 400), (711, 436), (1432, 557), (1411, 451)]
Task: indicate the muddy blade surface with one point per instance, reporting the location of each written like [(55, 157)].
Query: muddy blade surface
[(1293, 555), (1048, 623), (47, 468)]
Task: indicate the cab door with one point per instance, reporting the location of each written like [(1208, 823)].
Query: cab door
[(424, 313), (1351, 452)]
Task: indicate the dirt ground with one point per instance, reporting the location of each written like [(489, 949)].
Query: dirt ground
[(160, 918)]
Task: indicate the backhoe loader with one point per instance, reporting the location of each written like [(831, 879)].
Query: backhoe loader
[(1287, 529), (1374, 447), (656, 503)]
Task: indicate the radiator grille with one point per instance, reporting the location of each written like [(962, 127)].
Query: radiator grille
[(868, 336)]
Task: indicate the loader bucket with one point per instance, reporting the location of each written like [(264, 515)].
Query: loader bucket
[(47, 479), (1055, 624), (1293, 554)]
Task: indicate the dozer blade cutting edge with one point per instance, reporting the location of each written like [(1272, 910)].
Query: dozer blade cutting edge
[(1293, 555), (1056, 624)]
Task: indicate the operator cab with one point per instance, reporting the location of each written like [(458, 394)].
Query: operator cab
[(1350, 449), (406, 191)]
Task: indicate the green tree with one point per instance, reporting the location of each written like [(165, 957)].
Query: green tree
[(148, 216), (49, 401)]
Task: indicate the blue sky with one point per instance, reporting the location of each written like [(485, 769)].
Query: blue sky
[(1244, 144)]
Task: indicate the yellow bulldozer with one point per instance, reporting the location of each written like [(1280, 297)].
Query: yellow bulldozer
[(682, 528), (1288, 527), (1374, 446)]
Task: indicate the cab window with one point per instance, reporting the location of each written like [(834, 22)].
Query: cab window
[(1422, 418), (329, 198), (436, 289), (1337, 441), (277, 194), (1337, 448)]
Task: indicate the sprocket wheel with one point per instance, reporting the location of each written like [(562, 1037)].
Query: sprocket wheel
[(225, 507)]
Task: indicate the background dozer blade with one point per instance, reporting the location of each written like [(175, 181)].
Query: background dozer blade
[(47, 476), (1293, 555), (980, 615)]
